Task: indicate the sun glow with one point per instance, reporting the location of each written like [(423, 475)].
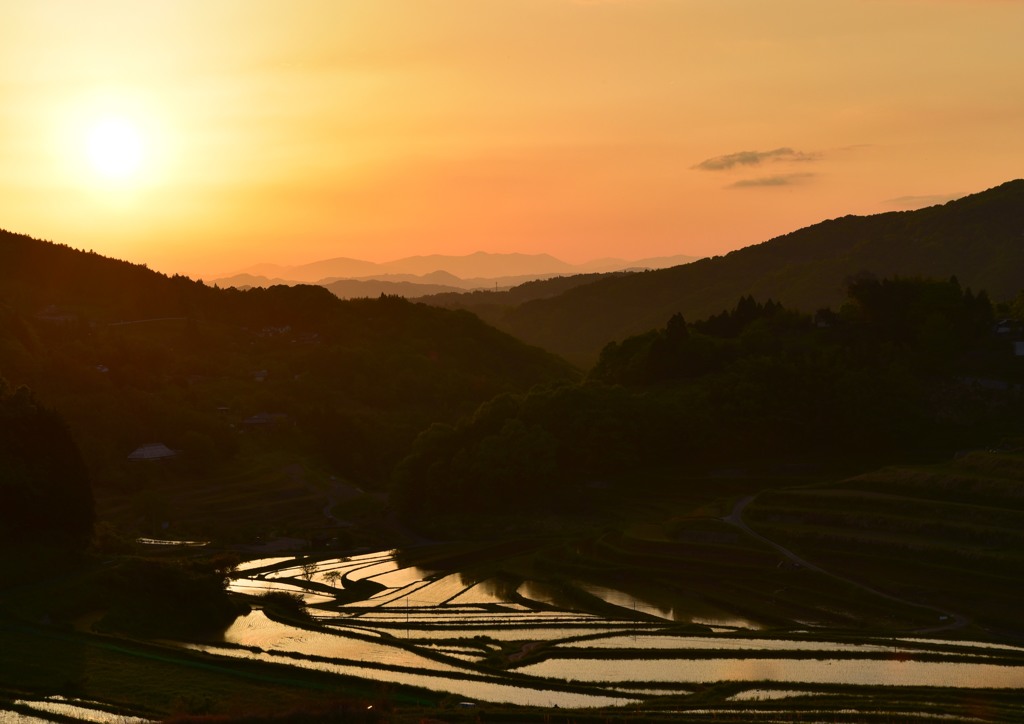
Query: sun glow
[(116, 148)]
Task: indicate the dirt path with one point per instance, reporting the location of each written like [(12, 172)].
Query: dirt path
[(951, 619)]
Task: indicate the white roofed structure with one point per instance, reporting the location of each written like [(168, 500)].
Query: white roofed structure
[(152, 451)]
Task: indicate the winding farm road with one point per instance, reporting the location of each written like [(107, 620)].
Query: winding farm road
[(951, 619)]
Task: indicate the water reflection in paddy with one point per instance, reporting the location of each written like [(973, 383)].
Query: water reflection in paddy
[(465, 616), (434, 593), (13, 717), (67, 709), (860, 672), (423, 614), (680, 609), (627, 601), (766, 694), (256, 629), (484, 592), (257, 587), (370, 570), (976, 644), (481, 688), (400, 577), (261, 563), (643, 641), (520, 633), (387, 595)]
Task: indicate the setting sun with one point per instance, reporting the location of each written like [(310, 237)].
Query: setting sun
[(292, 132), (115, 148)]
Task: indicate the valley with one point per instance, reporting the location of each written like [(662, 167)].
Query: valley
[(273, 502)]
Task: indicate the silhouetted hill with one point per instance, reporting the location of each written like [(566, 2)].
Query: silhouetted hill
[(356, 288), (129, 356), (43, 278), (493, 305), (979, 238)]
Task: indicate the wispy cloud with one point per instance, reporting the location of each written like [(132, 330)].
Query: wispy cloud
[(786, 179), (754, 158), (918, 202)]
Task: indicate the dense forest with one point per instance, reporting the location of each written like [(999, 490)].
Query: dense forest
[(905, 366)]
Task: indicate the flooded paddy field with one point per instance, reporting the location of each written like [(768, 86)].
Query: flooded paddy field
[(799, 603), (577, 643), (65, 709)]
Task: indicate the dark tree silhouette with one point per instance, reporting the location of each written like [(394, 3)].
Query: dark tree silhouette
[(45, 494)]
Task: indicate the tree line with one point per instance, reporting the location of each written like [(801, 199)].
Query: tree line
[(904, 365)]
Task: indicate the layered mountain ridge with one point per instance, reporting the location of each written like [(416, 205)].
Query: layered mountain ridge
[(978, 238)]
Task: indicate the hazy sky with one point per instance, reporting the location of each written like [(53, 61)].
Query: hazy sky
[(201, 137)]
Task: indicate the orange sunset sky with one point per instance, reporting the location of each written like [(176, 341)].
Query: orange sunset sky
[(202, 137)]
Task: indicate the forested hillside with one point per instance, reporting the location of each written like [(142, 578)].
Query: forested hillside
[(493, 306), (979, 239), (128, 357), (906, 367)]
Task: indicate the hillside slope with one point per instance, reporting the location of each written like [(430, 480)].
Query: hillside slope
[(979, 239), (129, 356)]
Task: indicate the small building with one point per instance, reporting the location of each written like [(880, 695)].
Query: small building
[(1012, 331), (152, 451)]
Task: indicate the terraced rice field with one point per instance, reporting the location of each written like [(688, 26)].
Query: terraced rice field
[(892, 595), (488, 641), (952, 536)]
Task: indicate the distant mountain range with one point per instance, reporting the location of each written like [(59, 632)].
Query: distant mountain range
[(575, 310), (979, 239), (433, 274)]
